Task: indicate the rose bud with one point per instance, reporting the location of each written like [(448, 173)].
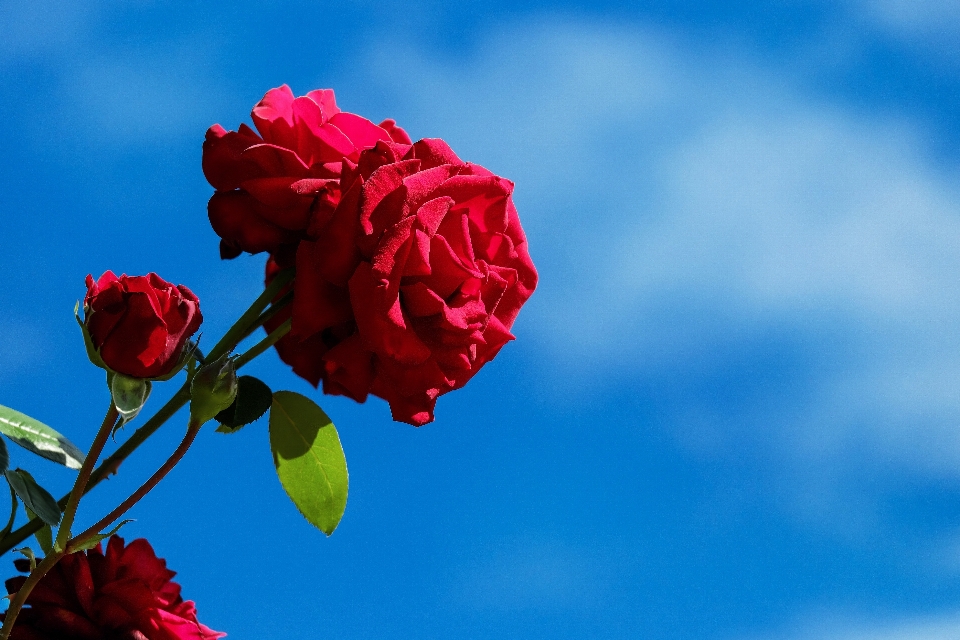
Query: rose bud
[(269, 182), (139, 325), (126, 592), (412, 284), (213, 389)]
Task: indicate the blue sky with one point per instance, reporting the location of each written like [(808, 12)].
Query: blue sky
[(733, 408)]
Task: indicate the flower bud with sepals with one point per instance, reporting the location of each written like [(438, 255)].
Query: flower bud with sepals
[(213, 389)]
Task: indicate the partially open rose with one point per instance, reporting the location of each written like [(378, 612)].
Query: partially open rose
[(412, 283), (268, 185), (140, 324)]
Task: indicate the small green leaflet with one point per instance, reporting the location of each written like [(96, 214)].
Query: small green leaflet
[(28, 553), (309, 459), (37, 437), (93, 541), (34, 497)]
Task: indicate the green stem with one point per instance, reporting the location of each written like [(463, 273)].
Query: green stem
[(249, 321), (192, 430), (241, 327), (110, 465), (145, 488), (18, 600), (83, 478), (272, 311), (69, 513), (263, 345)]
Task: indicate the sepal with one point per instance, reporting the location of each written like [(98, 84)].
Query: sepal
[(29, 555), (92, 353), (129, 394), (94, 540)]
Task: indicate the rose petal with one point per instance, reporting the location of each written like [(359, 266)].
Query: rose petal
[(274, 160), (338, 254), (380, 322), (434, 152), (273, 116), (317, 304), (235, 216), (361, 132), (327, 101), (222, 161), (349, 369), (382, 183), (396, 133)]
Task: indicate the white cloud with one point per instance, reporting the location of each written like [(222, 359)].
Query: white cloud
[(942, 627), (110, 95), (148, 97), (523, 574), (692, 180), (36, 27), (677, 201), (931, 27), (916, 17), (22, 345)]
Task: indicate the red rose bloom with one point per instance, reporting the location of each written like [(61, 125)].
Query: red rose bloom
[(269, 185), (140, 324), (412, 283), (123, 594)]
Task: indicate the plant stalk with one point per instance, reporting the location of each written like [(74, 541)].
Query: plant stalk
[(251, 319), (83, 477), (192, 430), (18, 600), (263, 345), (63, 533)]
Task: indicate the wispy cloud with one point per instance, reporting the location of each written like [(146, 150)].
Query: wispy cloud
[(108, 95), (916, 17), (681, 205), (828, 627), (538, 574), (22, 345), (151, 97)]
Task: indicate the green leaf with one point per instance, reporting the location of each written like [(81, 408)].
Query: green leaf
[(93, 541), (252, 401), (4, 456), (309, 459), (37, 437), (34, 497), (44, 535)]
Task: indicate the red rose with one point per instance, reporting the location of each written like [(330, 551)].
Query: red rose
[(412, 283), (140, 324), (269, 185), (125, 594)]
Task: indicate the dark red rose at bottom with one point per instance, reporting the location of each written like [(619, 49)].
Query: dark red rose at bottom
[(123, 594)]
